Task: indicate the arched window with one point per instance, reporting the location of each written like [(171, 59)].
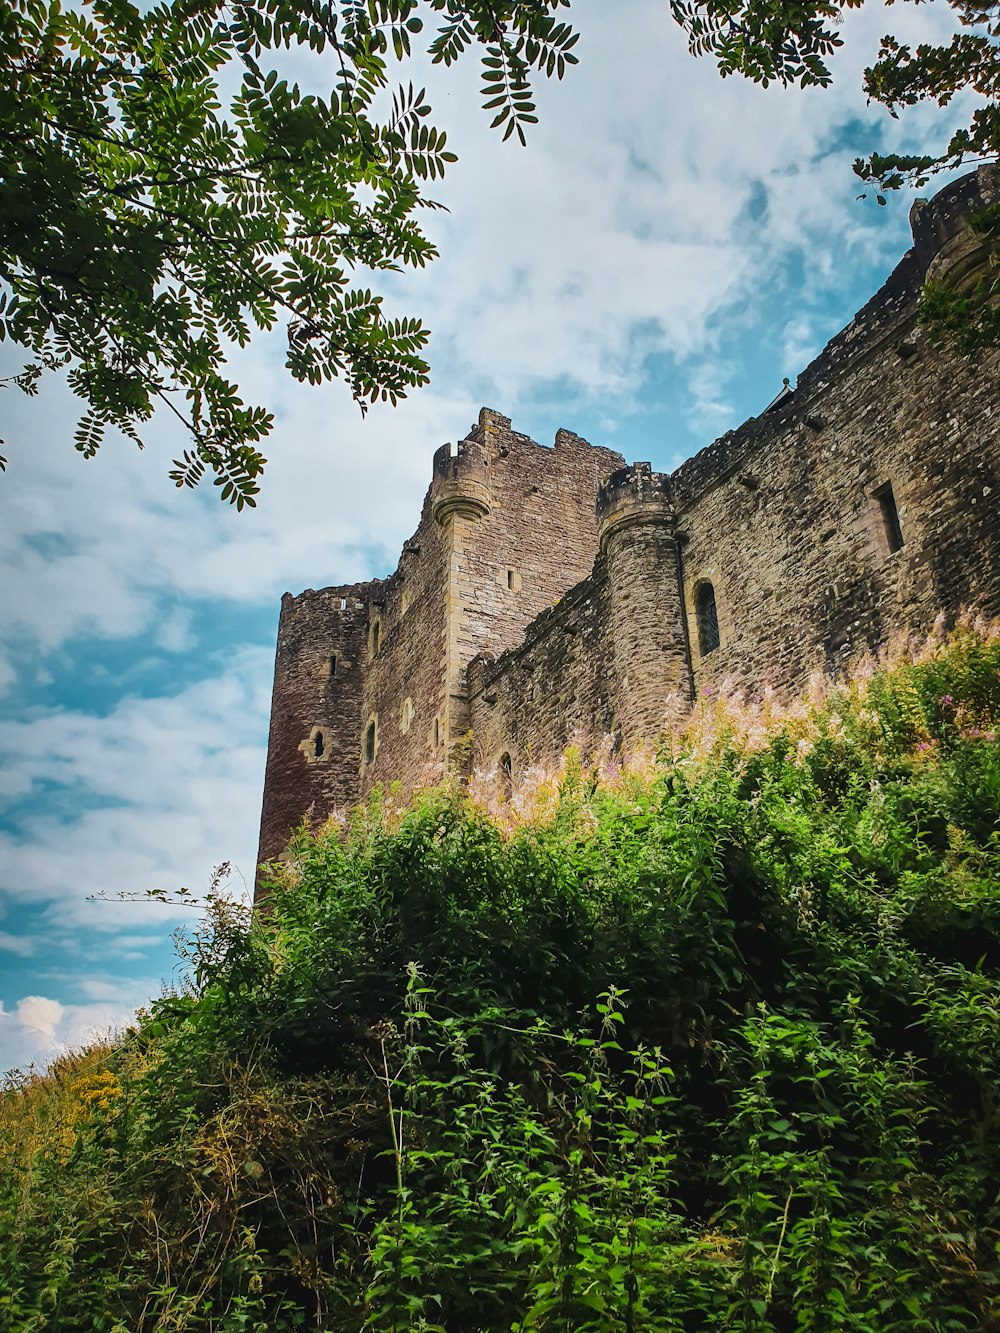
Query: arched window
[(319, 745), (707, 615), (406, 715)]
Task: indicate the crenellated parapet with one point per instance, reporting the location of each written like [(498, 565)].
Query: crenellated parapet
[(460, 485), (632, 497)]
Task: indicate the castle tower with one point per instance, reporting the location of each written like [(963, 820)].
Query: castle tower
[(460, 499), (647, 630), (312, 749)]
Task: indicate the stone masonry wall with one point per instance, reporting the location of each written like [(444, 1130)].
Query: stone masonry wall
[(795, 543), (404, 691), (319, 672), (782, 516), (552, 596), (555, 689), (506, 526), (782, 519)]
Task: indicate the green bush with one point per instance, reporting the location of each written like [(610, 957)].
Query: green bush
[(706, 1042)]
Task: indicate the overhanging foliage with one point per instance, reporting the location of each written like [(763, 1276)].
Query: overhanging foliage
[(164, 192)]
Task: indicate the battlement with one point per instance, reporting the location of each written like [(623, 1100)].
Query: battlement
[(945, 248), (461, 481), (632, 496), (338, 602)]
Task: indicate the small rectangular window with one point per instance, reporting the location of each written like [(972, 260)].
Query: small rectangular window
[(886, 502), (370, 743)]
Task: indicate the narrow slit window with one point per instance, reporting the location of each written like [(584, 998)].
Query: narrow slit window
[(437, 733), (319, 745), (886, 502), (370, 743), (376, 638), (707, 616), (506, 774), (333, 664), (343, 603), (510, 579)]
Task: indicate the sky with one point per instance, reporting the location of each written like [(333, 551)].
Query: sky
[(667, 248)]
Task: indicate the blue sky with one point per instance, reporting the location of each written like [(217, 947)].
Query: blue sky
[(667, 248)]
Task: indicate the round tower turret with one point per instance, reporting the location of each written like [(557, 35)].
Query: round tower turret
[(956, 253), (633, 496), (461, 482), (636, 526)]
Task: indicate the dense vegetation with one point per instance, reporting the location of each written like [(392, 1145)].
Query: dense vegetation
[(710, 1041)]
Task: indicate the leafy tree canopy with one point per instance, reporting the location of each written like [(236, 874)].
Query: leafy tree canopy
[(791, 41), (164, 192)]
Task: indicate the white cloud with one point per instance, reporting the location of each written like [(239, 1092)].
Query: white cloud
[(710, 410), (39, 1029), (152, 796), (628, 223), (174, 633), (40, 1016), (117, 991), (22, 945)]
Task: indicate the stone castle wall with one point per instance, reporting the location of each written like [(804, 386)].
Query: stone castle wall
[(507, 525), (782, 520), (782, 516), (551, 595), (319, 669)]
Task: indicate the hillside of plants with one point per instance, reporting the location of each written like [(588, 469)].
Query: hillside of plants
[(703, 1038)]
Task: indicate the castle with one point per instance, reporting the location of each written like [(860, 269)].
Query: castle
[(554, 593)]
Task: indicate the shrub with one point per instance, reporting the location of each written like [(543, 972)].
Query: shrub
[(710, 1041)]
